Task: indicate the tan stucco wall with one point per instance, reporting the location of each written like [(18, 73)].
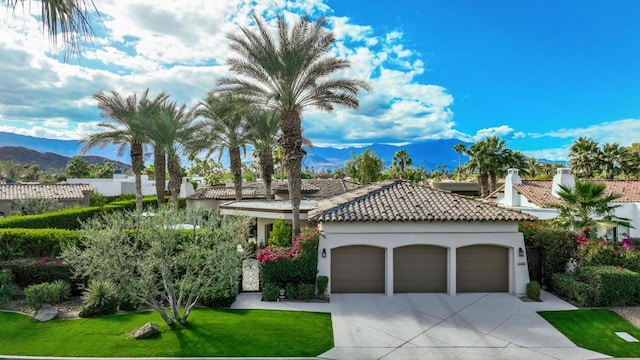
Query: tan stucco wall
[(263, 222), (452, 236)]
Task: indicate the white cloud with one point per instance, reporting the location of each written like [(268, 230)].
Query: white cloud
[(624, 132), (499, 131)]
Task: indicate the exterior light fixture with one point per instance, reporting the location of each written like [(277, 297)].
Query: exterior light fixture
[(521, 252), (324, 253)]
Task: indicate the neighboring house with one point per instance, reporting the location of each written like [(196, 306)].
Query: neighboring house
[(69, 195), (400, 237), (535, 196), (123, 184)]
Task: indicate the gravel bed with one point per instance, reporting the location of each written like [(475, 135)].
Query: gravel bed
[(631, 313)]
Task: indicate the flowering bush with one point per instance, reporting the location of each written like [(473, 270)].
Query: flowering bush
[(558, 246), (594, 252)]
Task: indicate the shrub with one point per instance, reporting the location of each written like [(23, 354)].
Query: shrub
[(291, 291), (558, 247), (270, 292), (306, 291), (99, 299), (39, 294), (64, 289), (295, 265), (34, 243), (533, 290), (219, 296), (35, 206), (613, 285), (127, 302), (569, 287), (280, 234), (6, 287), (29, 272), (323, 283)]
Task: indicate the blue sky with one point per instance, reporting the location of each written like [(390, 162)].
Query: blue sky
[(537, 74)]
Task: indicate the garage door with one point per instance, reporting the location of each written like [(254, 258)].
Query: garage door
[(419, 269), (482, 268), (357, 269)]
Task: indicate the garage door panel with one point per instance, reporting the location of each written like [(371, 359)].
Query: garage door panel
[(482, 268), (357, 269), (419, 269)]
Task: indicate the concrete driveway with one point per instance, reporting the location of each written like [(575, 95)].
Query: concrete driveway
[(439, 326)]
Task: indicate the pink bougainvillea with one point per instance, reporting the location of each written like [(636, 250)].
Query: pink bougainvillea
[(272, 253)]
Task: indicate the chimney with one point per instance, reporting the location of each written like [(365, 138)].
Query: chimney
[(511, 196), (562, 177)]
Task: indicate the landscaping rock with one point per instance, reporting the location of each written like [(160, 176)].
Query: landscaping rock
[(148, 330), (46, 313)]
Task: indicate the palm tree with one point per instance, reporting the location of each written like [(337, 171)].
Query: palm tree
[(532, 166), (459, 149), (587, 204), (126, 130), (77, 167), (584, 157), (263, 134), (69, 18), (227, 129), (173, 132), (478, 162), (612, 159), (289, 72), (400, 160)]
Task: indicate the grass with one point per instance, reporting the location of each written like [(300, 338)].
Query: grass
[(237, 333), (595, 330)]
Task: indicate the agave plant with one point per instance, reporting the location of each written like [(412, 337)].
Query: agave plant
[(99, 294)]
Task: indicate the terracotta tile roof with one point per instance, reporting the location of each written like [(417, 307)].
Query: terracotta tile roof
[(306, 186), (538, 192), (46, 191), (222, 193), (397, 200), (311, 189)]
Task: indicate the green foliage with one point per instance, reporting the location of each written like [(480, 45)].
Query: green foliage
[(323, 283), (558, 246), (281, 233), (99, 299), (270, 292), (97, 199), (34, 243), (533, 290), (39, 294), (614, 285), (219, 296), (35, 206), (568, 286), (300, 268), (599, 252), (364, 168), (64, 289), (28, 272), (306, 291), (128, 302), (6, 287), (291, 291)]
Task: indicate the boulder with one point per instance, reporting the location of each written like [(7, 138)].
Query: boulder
[(147, 331), (46, 313)]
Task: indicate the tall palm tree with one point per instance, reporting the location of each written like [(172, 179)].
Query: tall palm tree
[(69, 18), (125, 130), (584, 157), (227, 129), (148, 110), (263, 135), (401, 159), (533, 165), (288, 72), (174, 132), (478, 163), (459, 149), (587, 204), (612, 159)]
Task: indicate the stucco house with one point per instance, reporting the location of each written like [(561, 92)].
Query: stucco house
[(535, 196), (68, 195), (400, 237)]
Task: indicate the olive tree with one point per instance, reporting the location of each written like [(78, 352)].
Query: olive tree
[(155, 260)]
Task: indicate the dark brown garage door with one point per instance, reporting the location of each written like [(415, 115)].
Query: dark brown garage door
[(482, 268), (357, 269), (419, 269)]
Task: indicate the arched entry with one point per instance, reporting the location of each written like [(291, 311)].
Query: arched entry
[(482, 268), (419, 269), (357, 269)]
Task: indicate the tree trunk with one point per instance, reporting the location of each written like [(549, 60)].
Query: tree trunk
[(266, 169), (291, 142), (493, 182), (236, 170), (159, 173), (175, 179), (137, 164), (483, 184)]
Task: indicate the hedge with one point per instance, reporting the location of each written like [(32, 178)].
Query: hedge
[(614, 285), (569, 287), (71, 218), (558, 247), (34, 243), (29, 272)]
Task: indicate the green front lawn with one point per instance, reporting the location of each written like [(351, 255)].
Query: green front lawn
[(595, 330), (238, 333)]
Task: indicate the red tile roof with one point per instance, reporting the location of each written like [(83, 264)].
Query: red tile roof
[(44, 191)]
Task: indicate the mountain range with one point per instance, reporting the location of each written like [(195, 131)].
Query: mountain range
[(50, 153)]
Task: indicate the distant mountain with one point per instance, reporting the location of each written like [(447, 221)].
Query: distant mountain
[(427, 154), (47, 160)]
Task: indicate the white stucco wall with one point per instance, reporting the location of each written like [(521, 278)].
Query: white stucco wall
[(452, 236), (118, 185)]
